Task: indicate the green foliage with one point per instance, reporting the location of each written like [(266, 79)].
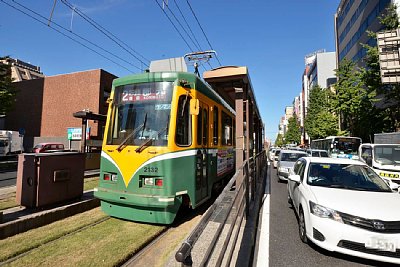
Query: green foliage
[(7, 90), (279, 141), (384, 114), (353, 102), (391, 19), (320, 120), (293, 134)]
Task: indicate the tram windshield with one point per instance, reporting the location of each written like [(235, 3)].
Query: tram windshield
[(141, 112)]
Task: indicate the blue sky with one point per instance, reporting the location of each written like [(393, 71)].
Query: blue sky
[(270, 37)]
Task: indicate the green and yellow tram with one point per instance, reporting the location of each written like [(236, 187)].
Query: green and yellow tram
[(169, 141)]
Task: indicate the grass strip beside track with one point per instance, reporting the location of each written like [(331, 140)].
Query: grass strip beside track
[(109, 243), (18, 244), (90, 183), (9, 202)]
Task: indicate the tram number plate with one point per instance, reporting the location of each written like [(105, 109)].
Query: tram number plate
[(381, 244), (150, 169)]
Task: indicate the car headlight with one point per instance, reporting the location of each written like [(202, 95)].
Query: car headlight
[(324, 212)]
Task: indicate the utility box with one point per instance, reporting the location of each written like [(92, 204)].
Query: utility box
[(49, 178)]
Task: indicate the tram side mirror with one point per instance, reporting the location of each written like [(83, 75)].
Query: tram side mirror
[(194, 106)]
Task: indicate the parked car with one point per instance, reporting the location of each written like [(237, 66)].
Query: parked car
[(317, 153), (286, 161), (271, 153), (48, 147), (344, 206), (276, 157)]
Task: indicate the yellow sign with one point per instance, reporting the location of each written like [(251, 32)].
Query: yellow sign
[(389, 175)]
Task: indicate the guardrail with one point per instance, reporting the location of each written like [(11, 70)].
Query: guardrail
[(245, 184)]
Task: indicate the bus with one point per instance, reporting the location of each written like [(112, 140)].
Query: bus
[(339, 146)]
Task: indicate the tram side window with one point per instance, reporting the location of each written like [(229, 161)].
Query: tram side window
[(227, 135), (183, 134), (199, 126), (205, 128), (216, 126)]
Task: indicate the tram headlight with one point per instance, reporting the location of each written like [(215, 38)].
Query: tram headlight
[(148, 181)]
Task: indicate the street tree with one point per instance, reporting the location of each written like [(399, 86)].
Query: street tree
[(279, 141), (352, 100), (293, 134), (385, 113), (7, 90), (320, 120)]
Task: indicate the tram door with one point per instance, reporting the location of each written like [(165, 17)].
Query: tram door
[(202, 156)]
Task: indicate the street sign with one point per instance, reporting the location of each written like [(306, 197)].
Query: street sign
[(74, 133)]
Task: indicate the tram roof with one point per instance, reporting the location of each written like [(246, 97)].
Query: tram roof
[(226, 78)]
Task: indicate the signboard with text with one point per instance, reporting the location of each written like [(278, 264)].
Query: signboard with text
[(76, 133)]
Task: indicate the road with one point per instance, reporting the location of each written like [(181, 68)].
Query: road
[(8, 178), (286, 248)]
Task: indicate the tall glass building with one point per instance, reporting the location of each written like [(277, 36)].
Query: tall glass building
[(352, 21)]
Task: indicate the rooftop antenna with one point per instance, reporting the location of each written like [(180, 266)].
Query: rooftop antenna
[(199, 58)]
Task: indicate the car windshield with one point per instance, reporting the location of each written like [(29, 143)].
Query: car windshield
[(141, 112), (38, 146), (285, 156), (387, 155), (345, 176)]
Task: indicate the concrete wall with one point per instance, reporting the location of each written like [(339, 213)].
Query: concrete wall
[(326, 64)]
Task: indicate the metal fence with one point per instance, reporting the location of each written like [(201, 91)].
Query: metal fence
[(243, 193)]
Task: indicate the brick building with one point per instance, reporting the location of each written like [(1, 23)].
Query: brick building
[(44, 107)]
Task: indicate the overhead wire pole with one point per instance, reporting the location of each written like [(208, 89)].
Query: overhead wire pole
[(198, 22), (107, 33), (65, 35)]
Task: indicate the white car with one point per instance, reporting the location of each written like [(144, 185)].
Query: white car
[(287, 159), (344, 206), (276, 158)]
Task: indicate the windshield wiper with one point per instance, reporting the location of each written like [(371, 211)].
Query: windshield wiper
[(120, 147), (149, 140)]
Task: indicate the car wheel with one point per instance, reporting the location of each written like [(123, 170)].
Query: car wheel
[(302, 227)]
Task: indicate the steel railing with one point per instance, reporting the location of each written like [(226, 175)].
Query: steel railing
[(246, 181)]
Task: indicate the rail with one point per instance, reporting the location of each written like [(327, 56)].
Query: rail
[(244, 190)]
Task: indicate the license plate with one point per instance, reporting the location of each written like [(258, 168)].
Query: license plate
[(381, 244)]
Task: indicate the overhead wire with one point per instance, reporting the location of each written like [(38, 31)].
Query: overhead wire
[(176, 28), (205, 35), (190, 29), (107, 33), (187, 25), (173, 24), (68, 36)]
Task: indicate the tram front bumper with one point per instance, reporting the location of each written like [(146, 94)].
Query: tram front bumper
[(140, 200)]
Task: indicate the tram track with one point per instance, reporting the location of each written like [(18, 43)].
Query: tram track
[(80, 229)]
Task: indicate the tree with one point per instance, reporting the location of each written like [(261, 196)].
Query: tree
[(320, 120), (385, 113), (7, 90), (293, 134), (279, 141), (352, 101)]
